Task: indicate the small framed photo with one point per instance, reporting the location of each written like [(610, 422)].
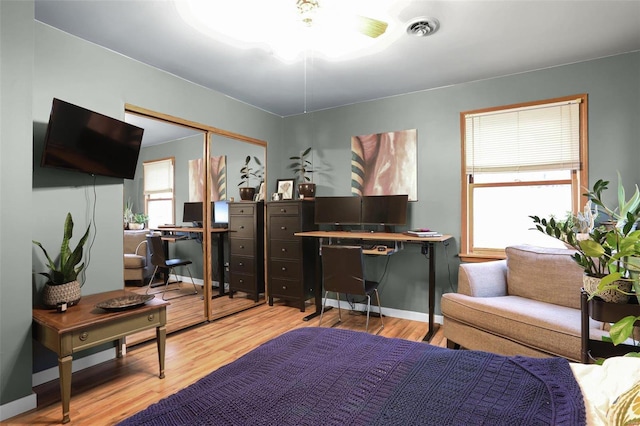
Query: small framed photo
[(286, 188)]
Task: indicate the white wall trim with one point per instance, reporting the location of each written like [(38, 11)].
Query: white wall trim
[(19, 406), (52, 373), (389, 312)]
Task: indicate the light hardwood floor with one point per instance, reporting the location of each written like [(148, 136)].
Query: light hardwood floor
[(114, 390)]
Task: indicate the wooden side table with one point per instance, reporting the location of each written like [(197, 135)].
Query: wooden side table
[(84, 325)]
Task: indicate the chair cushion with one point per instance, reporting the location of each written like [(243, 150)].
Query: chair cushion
[(544, 274), (549, 328), (133, 261)]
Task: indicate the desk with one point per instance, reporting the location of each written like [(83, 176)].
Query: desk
[(428, 244), (167, 236), (83, 326)]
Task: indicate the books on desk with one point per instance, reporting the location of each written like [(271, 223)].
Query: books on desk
[(423, 233)]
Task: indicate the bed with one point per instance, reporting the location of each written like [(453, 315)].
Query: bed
[(312, 376)]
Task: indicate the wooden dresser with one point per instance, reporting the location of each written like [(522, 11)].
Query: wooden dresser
[(292, 261), (246, 248)]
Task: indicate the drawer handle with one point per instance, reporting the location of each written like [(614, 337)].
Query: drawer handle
[(241, 247), (240, 264), (84, 336), (241, 211), (284, 268), (283, 210), (150, 317), (284, 250), (241, 281), (241, 226), (284, 287), (283, 227)]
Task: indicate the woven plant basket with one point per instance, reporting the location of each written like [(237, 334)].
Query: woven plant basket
[(612, 296), (54, 294)]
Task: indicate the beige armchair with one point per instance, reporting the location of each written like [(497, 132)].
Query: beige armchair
[(137, 257)]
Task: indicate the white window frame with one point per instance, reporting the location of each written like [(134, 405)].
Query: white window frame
[(578, 179)]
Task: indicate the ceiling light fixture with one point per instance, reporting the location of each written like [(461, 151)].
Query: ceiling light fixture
[(422, 27), (331, 29)]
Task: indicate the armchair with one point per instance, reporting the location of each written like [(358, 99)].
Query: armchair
[(137, 257)]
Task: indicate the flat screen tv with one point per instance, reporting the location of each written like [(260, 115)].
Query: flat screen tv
[(86, 141), (385, 209), (337, 210)]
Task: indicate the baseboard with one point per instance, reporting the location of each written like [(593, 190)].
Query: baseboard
[(52, 373), (19, 406), (388, 312)]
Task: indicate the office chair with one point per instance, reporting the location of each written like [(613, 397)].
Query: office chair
[(158, 260), (343, 272)]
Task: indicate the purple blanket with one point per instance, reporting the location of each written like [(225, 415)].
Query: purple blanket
[(324, 376)]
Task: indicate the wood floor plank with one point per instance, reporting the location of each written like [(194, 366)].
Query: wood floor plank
[(114, 390)]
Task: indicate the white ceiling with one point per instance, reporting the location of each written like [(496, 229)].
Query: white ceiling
[(476, 40)]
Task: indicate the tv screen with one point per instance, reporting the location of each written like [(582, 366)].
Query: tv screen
[(385, 209), (337, 210), (86, 141)]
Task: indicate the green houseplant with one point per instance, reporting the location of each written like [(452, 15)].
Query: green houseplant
[(610, 253), (303, 167), (247, 172), (62, 285), (138, 221)]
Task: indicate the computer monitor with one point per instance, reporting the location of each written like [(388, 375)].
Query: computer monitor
[(338, 210), (220, 213), (192, 213), (385, 209)]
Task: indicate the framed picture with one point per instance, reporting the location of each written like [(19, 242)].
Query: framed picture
[(285, 187)]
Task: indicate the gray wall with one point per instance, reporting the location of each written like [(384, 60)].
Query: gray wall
[(613, 86), (16, 67), (101, 80)]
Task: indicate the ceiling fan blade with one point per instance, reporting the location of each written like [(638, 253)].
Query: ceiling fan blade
[(370, 27)]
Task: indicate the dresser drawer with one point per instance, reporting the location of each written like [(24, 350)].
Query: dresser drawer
[(285, 269), (288, 249), (243, 282), (241, 246), (283, 227), (91, 336), (241, 227), (241, 264), (285, 288), (285, 209), (241, 210)]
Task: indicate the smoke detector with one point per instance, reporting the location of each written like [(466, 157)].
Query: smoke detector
[(422, 27)]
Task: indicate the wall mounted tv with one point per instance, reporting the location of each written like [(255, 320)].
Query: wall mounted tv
[(385, 209), (86, 141)]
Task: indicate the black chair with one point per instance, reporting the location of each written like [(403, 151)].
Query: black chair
[(159, 260), (343, 272)]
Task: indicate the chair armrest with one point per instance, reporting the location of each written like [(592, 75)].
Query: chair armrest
[(485, 279)]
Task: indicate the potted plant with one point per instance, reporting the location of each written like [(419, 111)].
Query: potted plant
[(62, 285), (302, 167), (128, 213), (138, 221), (246, 174)]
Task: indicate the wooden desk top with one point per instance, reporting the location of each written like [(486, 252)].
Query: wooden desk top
[(189, 229), (85, 313), (377, 236)]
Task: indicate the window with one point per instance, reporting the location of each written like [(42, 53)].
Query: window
[(158, 191), (517, 161)]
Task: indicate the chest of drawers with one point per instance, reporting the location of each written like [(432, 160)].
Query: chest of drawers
[(291, 261), (246, 248)]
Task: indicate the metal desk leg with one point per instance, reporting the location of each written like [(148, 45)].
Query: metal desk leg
[(432, 289)]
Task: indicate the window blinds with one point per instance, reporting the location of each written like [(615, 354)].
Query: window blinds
[(158, 176), (541, 137)]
